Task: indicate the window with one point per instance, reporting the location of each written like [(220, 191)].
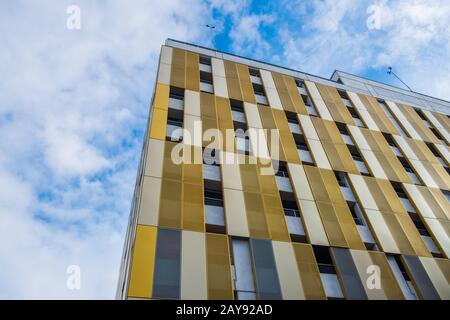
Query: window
[(399, 189), (176, 98), (244, 286), (282, 170), (300, 83), (214, 213), (341, 179), (174, 128), (167, 264), (254, 72), (353, 206), (323, 259), (205, 60)]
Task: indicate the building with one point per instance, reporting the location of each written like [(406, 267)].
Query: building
[(353, 204)]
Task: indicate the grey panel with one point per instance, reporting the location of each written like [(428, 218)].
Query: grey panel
[(166, 284), (242, 265), (420, 276), (354, 288), (267, 282)]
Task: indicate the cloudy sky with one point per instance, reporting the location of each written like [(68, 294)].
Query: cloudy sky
[(74, 105)]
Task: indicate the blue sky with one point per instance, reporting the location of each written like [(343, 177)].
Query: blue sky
[(74, 106)]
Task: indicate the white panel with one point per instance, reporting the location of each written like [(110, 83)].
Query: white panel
[(318, 101), (313, 223), (308, 127), (300, 182), (359, 137), (288, 274), (407, 151), (192, 131), (356, 101), (192, 103), (403, 120), (193, 266), (370, 123), (437, 124), (363, 192), (443, 150), (440, 234), (374, 165), (150, 197), (219, 80), (423, 173), (252, 114), (271, 92), (154, 160), (258, 143), (419, 200), (319, 155), (166, 55), (382, 231), (164, 73), (236, 216)]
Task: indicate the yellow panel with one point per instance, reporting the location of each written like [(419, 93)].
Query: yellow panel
[(207, 105), (159, 124), (348, 226), (316, 183), (225, 122), (193, 210), (289, 147), (257, 224), (218, 267), (309, 272), (170, 205), (332, 227), (398, 234), (178, 72), (267, 181), (378, 114), (283, 92), (161, 97), (249, 177), (248, 95), (192, 72), (171, 170), (234, 89), (297, 100), (143, 263), (275, 218), (437, 277), (332, 99)]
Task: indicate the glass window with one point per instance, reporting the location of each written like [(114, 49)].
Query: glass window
[(166, 283), (266, 273)]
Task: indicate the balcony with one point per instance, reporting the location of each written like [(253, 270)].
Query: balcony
[(365, 234), (206, 87), (256, 80), (295, 225), (302, 91), (214, 215), (261, 99), (283, 184), (347, 139), (295, 128), (238, 116), (174, 132), (205, 68), (348, 194), (331, 285), (305, 156), (211, 172), (361, 167), (177, 104)]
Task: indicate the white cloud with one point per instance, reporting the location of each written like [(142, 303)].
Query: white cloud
[(73, 108)]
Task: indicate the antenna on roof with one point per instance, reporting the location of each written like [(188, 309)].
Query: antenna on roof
[(390, 72), (212, 27)]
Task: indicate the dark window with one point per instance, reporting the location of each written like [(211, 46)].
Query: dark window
[(389, 139), (254, 72), (213, 198), (299, 83), (437, 134), (399, 189), (405, 164), (352, 206), (282, 170), (343, 94), (267, 281), (176, 93), (323, 258), (205, 60), (206, 77), (167, 264), (237, 105), (290, 208), (258, 89), (340, 177)]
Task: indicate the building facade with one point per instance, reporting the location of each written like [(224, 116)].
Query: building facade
[(325, 189)]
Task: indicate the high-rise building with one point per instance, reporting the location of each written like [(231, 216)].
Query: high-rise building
[(310, 188)]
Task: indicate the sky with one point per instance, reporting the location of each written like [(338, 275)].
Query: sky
[(74, 105)]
